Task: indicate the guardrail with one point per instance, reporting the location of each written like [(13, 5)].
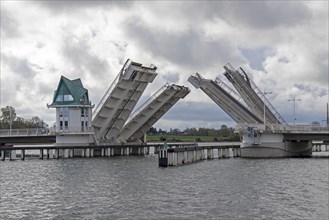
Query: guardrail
[(284, 128), (44, 131), (24, 132)]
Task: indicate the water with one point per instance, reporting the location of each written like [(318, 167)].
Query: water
[(134, 187)]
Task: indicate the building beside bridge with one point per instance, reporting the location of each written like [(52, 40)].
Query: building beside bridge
[(73, 113)]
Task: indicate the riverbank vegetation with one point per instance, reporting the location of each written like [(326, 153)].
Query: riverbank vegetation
[(9, 119), (193, 134)]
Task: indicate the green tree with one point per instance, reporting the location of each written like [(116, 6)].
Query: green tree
[(8, 116)]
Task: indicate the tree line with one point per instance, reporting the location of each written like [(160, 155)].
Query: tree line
[(224, 131), (10, 119)]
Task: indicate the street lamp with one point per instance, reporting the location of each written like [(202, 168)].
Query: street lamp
[(265, 93), (10, 121), (294, 100)]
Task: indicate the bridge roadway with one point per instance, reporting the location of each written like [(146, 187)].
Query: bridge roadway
[(28, 139), (306, 137)]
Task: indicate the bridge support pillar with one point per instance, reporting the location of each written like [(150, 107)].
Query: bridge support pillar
[(87, 152), (210, 154), (41, 154), (12, 155), (220, 153), (22, 154), (235, 152), (126, 151), (190, 156), (172, 158), (225, 153), (2, 153), (66, 153), (180, 157)]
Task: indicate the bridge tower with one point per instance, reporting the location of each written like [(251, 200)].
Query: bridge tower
[(73, 113)]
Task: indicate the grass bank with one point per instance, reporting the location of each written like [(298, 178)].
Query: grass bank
[(187, 138)]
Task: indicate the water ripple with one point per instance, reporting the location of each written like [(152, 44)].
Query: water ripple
[(136, 188)]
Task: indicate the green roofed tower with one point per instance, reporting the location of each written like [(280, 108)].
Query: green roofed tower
[(73, 113), (70, 92)]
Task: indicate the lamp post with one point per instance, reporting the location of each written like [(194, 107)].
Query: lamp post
[(294, 100), (10, 121), (265, 93)]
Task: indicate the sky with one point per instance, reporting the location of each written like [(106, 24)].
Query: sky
[(282, 45)]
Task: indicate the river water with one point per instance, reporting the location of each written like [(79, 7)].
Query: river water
[(134, 187)]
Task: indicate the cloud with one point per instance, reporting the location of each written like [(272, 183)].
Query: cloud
[(283, 45)]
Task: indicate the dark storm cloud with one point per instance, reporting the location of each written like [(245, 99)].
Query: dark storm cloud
[(77, 51), (189, 48)]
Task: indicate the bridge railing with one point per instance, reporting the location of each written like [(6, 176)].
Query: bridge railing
[(24, 132), (283, 128), (147, 102)]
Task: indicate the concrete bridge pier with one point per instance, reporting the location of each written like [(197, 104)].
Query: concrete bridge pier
[(66, 153), (220, 153), (235, 152), (87, 152), (180, 157), (12, 155), (172, 158), (210, 153), (112, 151), (22, 154), (41, 154), (2, 155), (199, 154), (190, 156), (225, 153)]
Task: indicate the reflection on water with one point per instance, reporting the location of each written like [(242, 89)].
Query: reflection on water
[(134, 187)]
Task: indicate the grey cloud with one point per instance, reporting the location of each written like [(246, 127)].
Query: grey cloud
[(171, 77), (189, 48), (265, 14), (254, 14), (77, 51), (191, 111), (59, 6), (256, 56), (316, 92), (19, 66), (9, 25)]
